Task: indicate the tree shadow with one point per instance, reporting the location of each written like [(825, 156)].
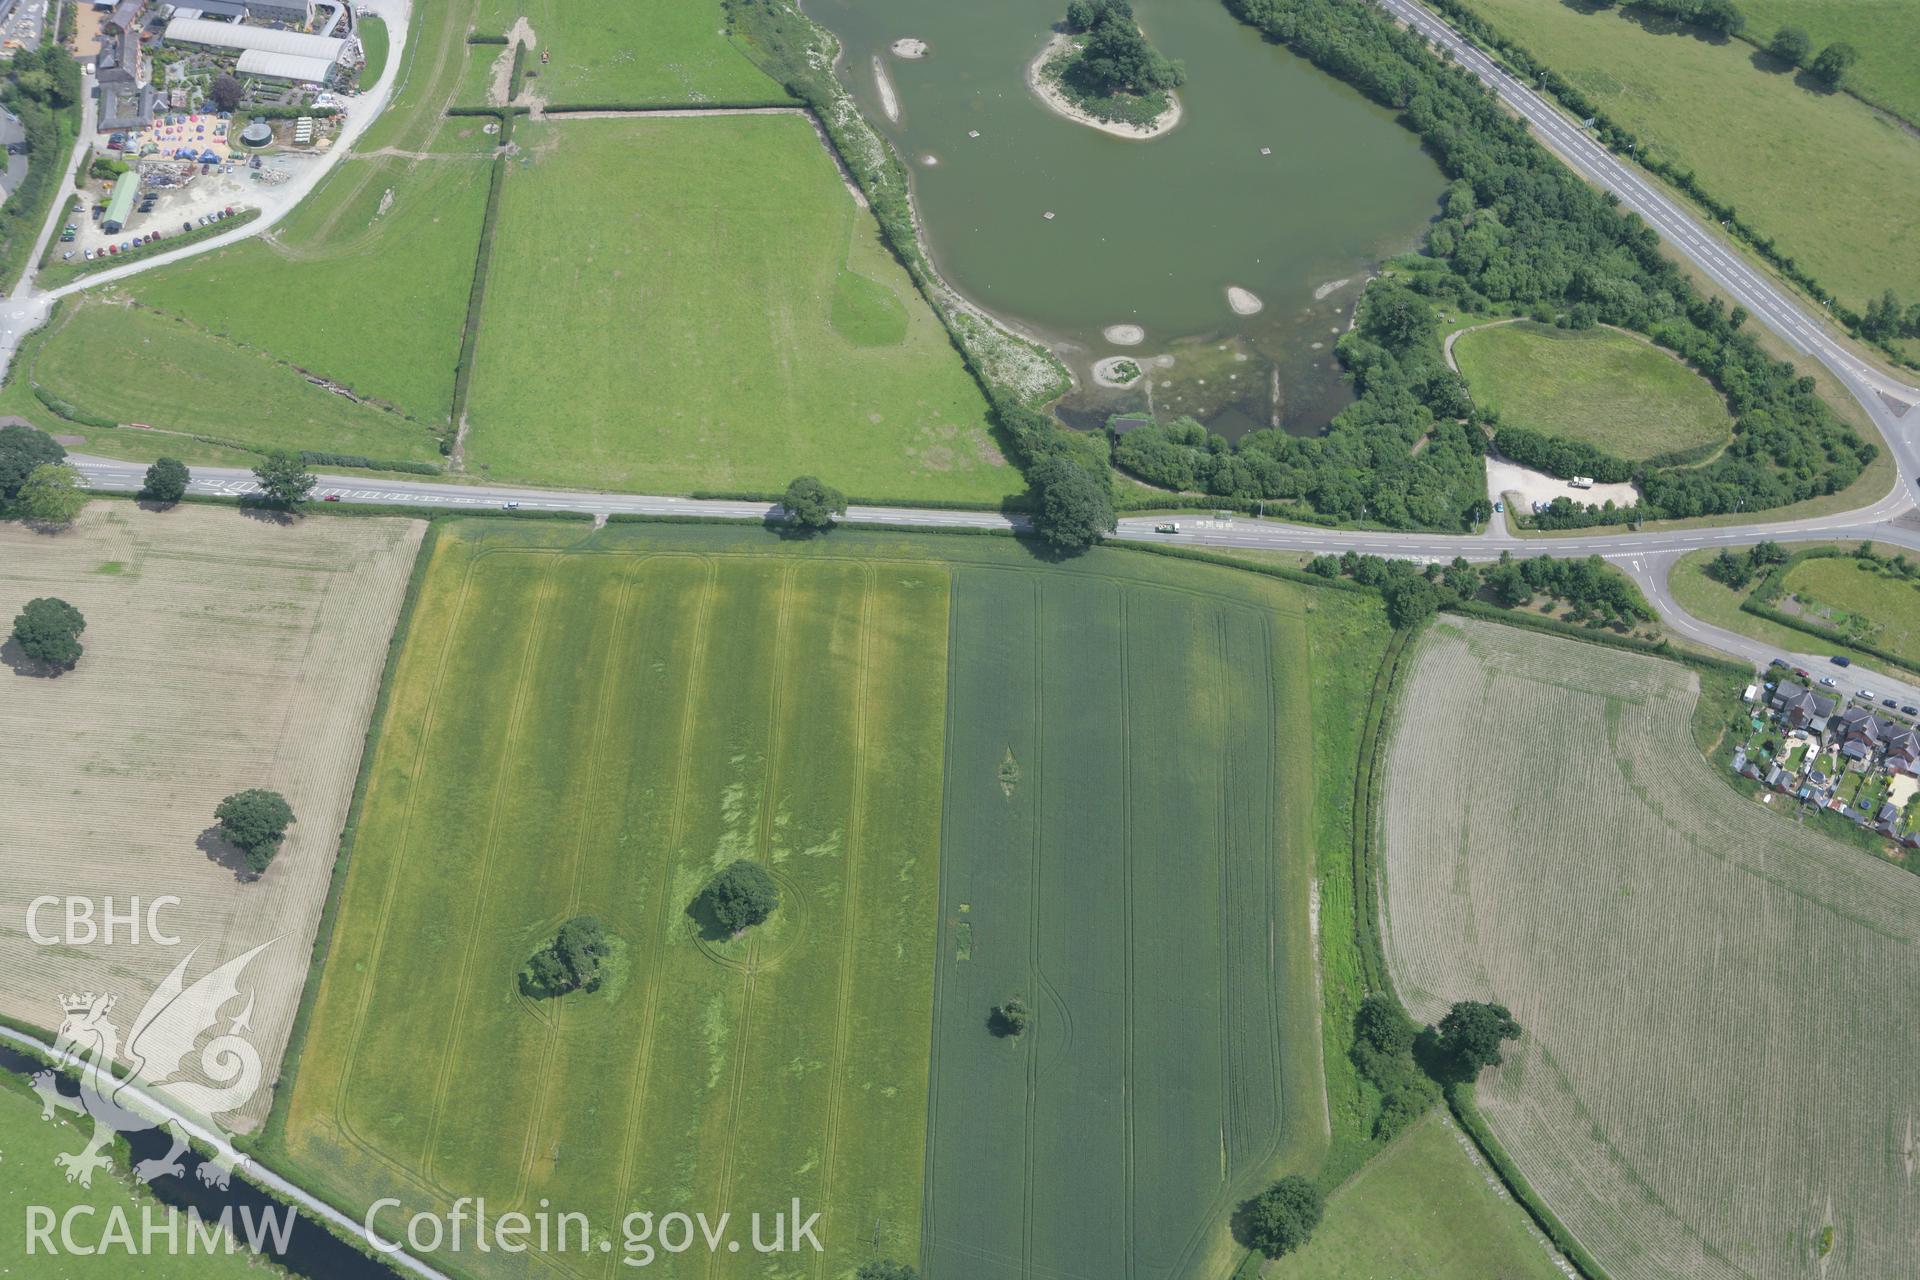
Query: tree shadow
[(225, 853), (1432, 1058), (1660, 24), (267, 512), (1240, 1224), (16, 658), (705, 922), (154, 504), (788, 531)]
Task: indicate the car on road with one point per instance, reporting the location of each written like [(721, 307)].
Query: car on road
[(1170, 527), (1498, 507), (1828, 681), (1840, 660), (331, 497), (509, 506)]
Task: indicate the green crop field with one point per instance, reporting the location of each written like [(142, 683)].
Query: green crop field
[(1597, 386), (638, 52), (1706, 985), (28, 1146), (1881, 31), (172, 376), (1790, 160), (591, 722), (1128, 847), (696, 333), (1427, 1206)]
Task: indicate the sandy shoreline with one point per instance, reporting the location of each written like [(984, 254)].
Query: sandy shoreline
[(889, 100), (1058, 102)]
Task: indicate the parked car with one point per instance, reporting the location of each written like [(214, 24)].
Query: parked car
[(1803, 673), (1867, 694), (1888, 702), (113, 249), (1778, 662), (1828, 681), (1911, 711), (186, 226), (89, 255), (67, 256), (1840, 661)]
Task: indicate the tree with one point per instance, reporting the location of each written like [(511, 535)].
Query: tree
[(1282, 1218), (48, 631), (1409, 601), (1011, 1018), (50, 494), (741, 894), (885, 1269), (285, 479), (1730, 570), (166, 481), (21, 450), (1830, 68), (1076, 507), (1791, 45), (226, 92), (1721, 16), (571, 960), (1081, 15), (256, 820), (811, 504), (1471, 1035)]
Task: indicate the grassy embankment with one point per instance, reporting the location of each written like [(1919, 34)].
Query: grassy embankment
[(376, 43), (33, 1179), (650, 54), (758, 345), (1789, 159), (1832, 590), (1598, 386)]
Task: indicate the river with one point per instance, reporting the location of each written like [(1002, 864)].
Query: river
[(1279, 180)]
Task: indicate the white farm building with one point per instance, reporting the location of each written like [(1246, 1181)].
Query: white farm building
[(266, 52)]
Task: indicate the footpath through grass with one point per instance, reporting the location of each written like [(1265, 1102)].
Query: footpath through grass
[(1427, 1206), (723, 324), (1792, 161), (1597, 386)]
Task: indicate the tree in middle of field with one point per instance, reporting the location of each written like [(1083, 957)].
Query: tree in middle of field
[(1010, 1019), (256, 820), (741, 895), (574, 959), (1282, 1218), (48, 631)]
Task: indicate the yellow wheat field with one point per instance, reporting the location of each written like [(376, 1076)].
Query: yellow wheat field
[(221, 653), (1723, 1053)]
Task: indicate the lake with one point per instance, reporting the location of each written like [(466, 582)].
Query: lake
[(1279, 180)]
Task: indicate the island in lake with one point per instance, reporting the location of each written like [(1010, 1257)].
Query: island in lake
[(1101, 72)]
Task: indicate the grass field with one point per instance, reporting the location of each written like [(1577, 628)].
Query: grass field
[(170, 375), (1427, 1206), (1881, 31), (698, 333), (1890, 608), (635, 52), (1597, 386), (221, 653), (1790, 160), (593, 723), (375, 41), (29, 1146), (1585, 865)]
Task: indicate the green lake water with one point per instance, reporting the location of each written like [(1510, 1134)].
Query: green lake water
[(1149, 233)]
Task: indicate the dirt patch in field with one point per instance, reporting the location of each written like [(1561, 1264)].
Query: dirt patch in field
[(220, 654)]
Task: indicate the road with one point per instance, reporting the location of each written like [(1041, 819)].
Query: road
[(1767, 302)]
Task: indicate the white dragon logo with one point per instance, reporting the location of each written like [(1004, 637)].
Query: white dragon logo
[(163, 1036)]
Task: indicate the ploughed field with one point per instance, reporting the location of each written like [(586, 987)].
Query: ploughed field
[(973, 775), (221, 653), (1718, 1065)]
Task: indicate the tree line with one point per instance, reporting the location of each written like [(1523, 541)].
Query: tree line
[(1596, 593), (1518, 232)]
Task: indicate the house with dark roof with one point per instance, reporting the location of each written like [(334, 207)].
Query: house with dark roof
[(1902, 747), (1801, 707)]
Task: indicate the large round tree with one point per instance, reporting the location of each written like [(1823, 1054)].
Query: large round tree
[(1281, 1218), (740, 895), (48, 631), (256, 820)]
